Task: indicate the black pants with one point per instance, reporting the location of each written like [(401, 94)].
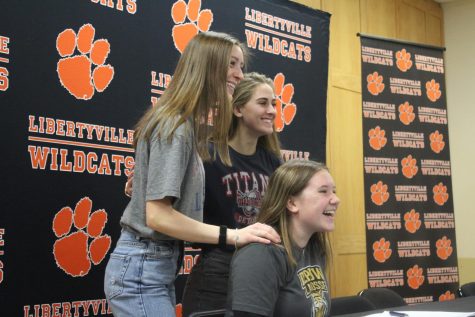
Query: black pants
[(207, 285)]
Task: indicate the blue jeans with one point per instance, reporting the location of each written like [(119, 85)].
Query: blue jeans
[(207, 285), (140, 277)]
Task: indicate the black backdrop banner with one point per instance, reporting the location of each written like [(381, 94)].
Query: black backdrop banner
[(75, 76), (410, 227)]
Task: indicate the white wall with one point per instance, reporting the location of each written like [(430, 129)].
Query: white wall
[(459, 30)]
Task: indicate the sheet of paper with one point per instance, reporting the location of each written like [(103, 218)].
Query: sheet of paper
[(423, 314)]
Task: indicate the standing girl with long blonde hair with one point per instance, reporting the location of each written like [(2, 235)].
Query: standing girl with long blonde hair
[(234, 193), (170, 142)]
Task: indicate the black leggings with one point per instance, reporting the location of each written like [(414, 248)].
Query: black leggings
[(207, 285)]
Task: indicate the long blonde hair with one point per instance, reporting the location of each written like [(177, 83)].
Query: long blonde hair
[(242, 94), (197, 89), (286, 181)]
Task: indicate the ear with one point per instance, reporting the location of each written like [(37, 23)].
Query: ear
[(291, 206), (237, 112)]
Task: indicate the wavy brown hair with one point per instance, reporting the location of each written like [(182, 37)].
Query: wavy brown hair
[(289, 180), (242, 94), (197, 89)]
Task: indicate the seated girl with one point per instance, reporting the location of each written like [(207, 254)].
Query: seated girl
[(288, 279)]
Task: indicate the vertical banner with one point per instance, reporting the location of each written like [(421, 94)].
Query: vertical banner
[(75, 77), (410, 227)]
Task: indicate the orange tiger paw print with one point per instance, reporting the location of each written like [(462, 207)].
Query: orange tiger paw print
[(73, 253), (440, 194), (403, 60), (432, 90), (375, 83), (437, 143), (178, 310), (412, 222), (406, 113), (409, 167), (75, 71), (446, 296), (415, 277), (285, 109), (379, 193), (444, 248), (382, 250), (200, 20), (377, 138)]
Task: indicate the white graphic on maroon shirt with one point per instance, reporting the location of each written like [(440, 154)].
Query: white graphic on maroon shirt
[(248, 197)]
